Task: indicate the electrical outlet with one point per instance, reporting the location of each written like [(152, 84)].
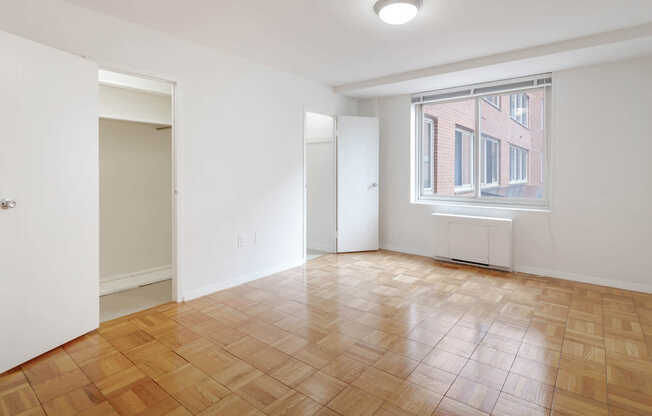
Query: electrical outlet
[(244, 239)]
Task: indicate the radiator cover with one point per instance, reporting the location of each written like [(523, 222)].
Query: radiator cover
[(484, 241)]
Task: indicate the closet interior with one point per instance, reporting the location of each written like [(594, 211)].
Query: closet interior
[(136, 193)]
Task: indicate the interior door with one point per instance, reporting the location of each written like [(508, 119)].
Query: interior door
[(49, 267), (357, 184)]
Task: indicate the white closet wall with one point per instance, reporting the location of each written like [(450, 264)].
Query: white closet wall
[(135, 188)]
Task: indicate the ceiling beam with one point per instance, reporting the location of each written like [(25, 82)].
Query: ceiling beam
[(614, 36)]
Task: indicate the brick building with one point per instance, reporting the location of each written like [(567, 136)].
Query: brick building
[(511, 140)]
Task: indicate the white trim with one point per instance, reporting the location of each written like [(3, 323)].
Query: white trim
[(119, 79), (135, 120), (576, 277), (475, 217), (238, 280), (486, 203), (120, 282)]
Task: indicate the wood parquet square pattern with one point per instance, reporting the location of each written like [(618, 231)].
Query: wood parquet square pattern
[(378, 333)]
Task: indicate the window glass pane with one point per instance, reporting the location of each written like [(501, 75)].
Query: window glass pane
[(451, 152), (508, 145)]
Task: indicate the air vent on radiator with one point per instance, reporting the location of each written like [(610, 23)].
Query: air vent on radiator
[(470, 263)]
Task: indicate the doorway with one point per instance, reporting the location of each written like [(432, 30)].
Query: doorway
[(136, 160), (320, 193)]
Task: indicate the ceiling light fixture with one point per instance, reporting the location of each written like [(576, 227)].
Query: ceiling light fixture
[(397, 12)]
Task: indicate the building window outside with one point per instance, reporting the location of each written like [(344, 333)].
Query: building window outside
[(518, 108), (463, 160), (494, 100), (518, 158), (490, 161)]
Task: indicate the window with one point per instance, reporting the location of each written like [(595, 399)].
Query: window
[(490, 161), (428, 156), (493, 100), (463, 160), (518, 108), (517, 164), (468, 152)]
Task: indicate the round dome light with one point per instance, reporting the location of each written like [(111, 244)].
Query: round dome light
[(397, 12)]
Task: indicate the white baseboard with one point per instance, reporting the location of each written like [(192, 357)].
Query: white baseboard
[(538, 271), (415, 251), (618, 284), (120, 282), (216, 287)]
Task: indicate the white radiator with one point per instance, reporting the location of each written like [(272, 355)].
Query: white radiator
[(483, 241)]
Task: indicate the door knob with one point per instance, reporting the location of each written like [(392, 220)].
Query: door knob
[(7, 204), (374, 185)]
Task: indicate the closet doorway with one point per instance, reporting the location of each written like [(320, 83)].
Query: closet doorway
[(136, 153), (319, 185)]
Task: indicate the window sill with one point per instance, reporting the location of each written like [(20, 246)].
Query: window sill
[(463, 189), (525, 126), (486, 205)]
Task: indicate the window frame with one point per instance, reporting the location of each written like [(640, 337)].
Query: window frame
[(433, 125), (477, 199)]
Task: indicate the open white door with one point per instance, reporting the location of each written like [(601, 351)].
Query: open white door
[(49, 268), (357, 184)]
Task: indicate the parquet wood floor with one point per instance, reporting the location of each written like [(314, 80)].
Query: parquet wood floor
[(381, 333)]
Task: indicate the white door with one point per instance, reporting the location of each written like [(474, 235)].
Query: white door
[(49, 267), (357, 184)]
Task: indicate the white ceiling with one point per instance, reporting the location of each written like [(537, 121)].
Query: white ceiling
[(342, 41)]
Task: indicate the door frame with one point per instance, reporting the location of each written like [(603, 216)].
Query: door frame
[(177, 294), (304, 184)]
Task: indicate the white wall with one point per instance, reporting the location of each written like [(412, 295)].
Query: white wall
[(320, 182), (135, 198), (600, 227), (239, 169), (128, 104)]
